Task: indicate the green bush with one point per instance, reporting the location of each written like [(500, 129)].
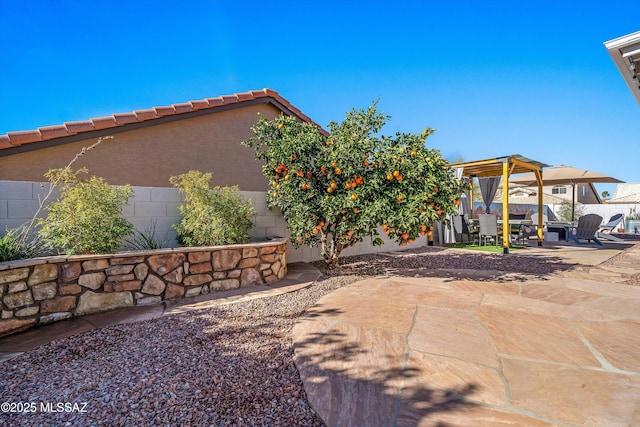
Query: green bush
[(217, 216), (17, 244), (87, 218), (565, 211)]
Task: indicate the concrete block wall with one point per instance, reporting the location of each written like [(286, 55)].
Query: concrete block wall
[(19, 201)]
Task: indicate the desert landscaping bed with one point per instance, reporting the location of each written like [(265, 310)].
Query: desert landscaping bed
[(231, 365)]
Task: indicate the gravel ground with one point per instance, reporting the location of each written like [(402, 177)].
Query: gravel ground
[(228, 366)]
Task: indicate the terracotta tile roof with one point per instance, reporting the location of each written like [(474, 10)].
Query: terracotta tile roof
[(15, 139)]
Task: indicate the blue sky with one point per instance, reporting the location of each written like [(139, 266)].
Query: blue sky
[(493, 77)]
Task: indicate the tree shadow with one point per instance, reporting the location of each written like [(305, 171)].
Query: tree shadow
[(348, 384), (451, 264)]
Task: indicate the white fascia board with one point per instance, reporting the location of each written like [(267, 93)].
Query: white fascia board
[(620, 49)]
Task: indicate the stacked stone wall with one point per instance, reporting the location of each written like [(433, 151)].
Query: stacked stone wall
[(49, 289)]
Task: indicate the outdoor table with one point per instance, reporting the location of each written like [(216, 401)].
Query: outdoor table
[(562, 228), (518, 222)]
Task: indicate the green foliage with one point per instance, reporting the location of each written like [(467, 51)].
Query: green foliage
[(564, 212), (217, 216), (336, 190), (145, 240), (17, 244), (87, 218)]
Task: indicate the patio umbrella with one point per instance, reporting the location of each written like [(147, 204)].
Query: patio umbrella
[(562, 174)]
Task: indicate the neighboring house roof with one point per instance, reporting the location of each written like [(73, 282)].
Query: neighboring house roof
[(151, 116), (528, 196), (626, 193)]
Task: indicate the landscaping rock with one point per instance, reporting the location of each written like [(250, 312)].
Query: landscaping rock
[(174, 291), (249, 262), (18, 299), (249, 252), (204, 267), (175, 276), (92, 281), (250, 277), (162, 264), (54, 317), (133, 285), (70, 290), (192, 292), (29, 311), (9, 276), (199, 257), (95, 264), (149, 301), (224, 285), (17, 287), (70, 272), (197, 279), (141, 270), (226, 259), (91, 302), (117, 270), (153, 285), (44, 291), (67, 303), (43, 273)]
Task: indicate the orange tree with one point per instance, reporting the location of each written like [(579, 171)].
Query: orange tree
[(334, 190)]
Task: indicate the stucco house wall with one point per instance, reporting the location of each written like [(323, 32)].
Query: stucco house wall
[(149, 155)]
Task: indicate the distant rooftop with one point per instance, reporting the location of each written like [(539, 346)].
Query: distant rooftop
[(626, 193), (153, 115)]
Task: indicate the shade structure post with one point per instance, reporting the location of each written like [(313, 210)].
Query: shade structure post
[(573, 201), (505, 207), (539, 231), (471, 196)]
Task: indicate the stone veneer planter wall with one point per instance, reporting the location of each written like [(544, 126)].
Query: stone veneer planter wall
[(45, 290)]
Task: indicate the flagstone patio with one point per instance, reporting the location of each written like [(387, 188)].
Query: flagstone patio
[(403, 351)]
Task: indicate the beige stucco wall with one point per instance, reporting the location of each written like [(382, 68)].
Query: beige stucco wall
[(148, 156)]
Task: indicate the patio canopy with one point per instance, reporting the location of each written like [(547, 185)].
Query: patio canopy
[(566, 175), (505, 167)]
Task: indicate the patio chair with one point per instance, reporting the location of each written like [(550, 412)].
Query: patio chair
[(532, 230), (586, 229), (463, 231), (517, 230), (488, 228), (604, 232)]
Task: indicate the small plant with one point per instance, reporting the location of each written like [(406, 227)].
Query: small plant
[(87, 218), (15, 244), (633, 215), (565, 211), (145, 240), (217, 216)]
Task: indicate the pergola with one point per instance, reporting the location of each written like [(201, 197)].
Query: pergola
[(505, 167)]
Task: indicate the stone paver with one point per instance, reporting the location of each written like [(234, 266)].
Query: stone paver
[(559, 350)]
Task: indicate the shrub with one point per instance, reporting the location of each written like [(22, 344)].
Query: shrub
[(565, 211), (217, 216), (17, 244), (87, 218), (335, 190)]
